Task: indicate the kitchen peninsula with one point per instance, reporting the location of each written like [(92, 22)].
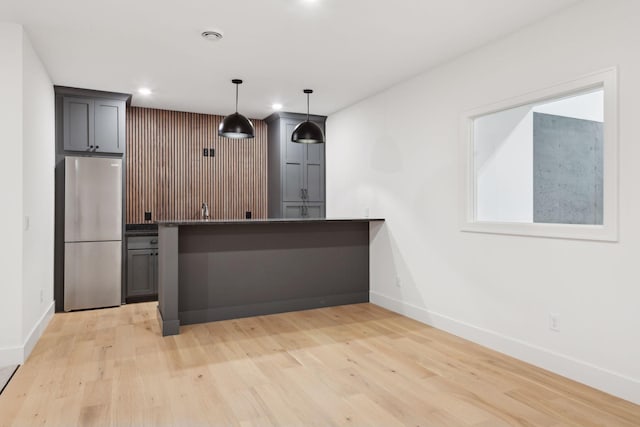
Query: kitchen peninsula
[(221, 269)]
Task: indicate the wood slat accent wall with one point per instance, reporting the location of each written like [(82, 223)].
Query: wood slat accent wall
[(168, 175)]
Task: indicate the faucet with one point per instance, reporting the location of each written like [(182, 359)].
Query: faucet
[(205, 210)]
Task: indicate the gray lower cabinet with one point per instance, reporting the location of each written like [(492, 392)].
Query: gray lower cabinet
[(93, 125), (141, 274), (142, 267), (296, 171), (303, 210)]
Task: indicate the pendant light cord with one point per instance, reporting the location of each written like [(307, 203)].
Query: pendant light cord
[(307, 107), (237, 97)]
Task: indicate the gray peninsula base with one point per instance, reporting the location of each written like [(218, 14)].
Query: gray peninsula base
[(216, 270)]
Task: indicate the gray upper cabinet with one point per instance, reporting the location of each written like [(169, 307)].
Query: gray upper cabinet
[(93, 125), (78, 124), (109, 125), (296, 171)]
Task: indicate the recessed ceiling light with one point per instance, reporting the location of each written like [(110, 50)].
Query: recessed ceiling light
[(212, 35), (276, 106), (144, 91)]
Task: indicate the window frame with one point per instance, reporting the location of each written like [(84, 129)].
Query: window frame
[(608, 231)]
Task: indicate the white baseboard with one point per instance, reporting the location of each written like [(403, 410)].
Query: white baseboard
[(10, 356), (38, 330), (17, 355), (586, 373)]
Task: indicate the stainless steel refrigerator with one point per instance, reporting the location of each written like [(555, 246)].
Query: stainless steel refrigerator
[(92, 233)]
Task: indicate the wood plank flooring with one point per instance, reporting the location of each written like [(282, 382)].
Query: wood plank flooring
[(357, 365)]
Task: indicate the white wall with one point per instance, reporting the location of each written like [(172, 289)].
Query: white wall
[(11, 191), (27, 183), (38, 123), (397, 154)]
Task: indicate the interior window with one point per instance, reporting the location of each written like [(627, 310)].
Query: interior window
[(545, 164)]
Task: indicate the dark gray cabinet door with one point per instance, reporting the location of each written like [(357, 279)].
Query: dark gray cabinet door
[(293, 167), (109, 125), (78, 131), (154, 270), (303, 210), (314, 172), (140, 272), (293, 210), (314, 210)]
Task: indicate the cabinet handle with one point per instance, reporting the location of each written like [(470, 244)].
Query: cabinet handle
[(97, 146), (154, 241), (90, 147)]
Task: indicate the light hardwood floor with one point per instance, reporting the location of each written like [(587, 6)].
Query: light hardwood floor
[(356, 365)]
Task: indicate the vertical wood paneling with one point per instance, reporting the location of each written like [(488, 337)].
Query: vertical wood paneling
[(168, 175)]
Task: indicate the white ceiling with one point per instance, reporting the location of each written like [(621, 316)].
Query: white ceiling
[(345, 50)]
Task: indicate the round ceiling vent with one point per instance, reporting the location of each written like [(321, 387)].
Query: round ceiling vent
[(212, 35)]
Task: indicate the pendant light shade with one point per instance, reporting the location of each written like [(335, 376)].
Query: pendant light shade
[(236, 125), (307, 132)]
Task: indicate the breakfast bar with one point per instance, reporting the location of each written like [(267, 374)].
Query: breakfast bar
[(222, 269)]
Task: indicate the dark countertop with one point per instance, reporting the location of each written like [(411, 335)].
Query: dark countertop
[(141, 233), (141, 230), (263, 221)]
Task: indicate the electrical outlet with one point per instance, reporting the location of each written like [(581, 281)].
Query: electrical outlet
[(366, 212), (41, 296), (398, 282), (554, 322)]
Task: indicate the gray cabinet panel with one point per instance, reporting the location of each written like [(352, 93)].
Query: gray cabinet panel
[(109, 126), (293, 210), (293, 182), (314, 183), (78, 124), (314, 173), (293, 168), (315, 153), (314, 210), (154, 271), (294, 152), (303, 210), (141, 272)]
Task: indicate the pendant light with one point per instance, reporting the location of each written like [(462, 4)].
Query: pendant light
[(307, 132), (236, 125)]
